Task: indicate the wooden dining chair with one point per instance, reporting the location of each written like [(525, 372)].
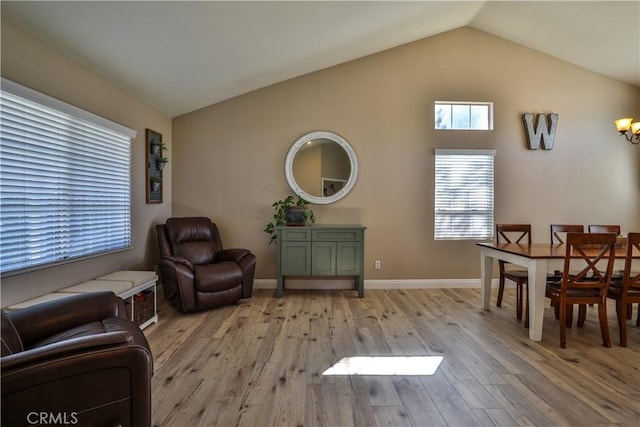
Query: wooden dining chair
[(626, 291), (559, 236), (514, 233), (617, 275), (605, 229), (588, 264)]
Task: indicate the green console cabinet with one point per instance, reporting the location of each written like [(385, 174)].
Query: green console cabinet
[(321, 250)]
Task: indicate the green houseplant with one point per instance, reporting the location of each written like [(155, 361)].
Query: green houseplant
[(155, 183), (158, 147), (161, 162), (289, 211)]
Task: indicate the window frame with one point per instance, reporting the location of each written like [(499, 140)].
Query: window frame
[(440, 213), (91, 124), (470, 104)]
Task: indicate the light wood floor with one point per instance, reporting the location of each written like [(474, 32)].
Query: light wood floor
[(260, 363)]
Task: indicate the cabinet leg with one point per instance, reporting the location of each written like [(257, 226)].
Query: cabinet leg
[(280, 287), (360, 282)]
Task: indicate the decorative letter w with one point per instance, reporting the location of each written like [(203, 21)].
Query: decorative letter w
[(542, 131)]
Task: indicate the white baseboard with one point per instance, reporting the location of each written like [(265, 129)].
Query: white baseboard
[(376, 283)]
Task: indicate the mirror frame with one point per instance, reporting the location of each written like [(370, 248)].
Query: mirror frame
[(288, 167)]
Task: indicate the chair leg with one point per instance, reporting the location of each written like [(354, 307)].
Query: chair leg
[(638, 319), (556, 309), (604, 328), (569, 315), (622, 323), (629, 311), (563, 325), (500, 292), (582, 314)]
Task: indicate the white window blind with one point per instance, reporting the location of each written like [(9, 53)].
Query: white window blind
[(464, 194), (65, 180)]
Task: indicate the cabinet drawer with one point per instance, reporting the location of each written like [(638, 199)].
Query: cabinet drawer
[(295, 234), (337, 235)]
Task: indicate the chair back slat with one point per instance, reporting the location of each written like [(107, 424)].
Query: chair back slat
[(513, 233), (594, 253), (559, 231), (605, 229)]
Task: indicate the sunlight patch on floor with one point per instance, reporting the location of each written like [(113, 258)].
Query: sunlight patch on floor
[(385, 365)]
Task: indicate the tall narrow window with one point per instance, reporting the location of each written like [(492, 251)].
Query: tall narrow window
[(65, 181), (464, 194), (454, 115)]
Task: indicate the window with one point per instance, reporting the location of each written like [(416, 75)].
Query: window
[(464, 194), (464, 115), (64, 182)]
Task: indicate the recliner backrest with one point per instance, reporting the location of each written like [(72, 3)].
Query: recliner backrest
[(196, 239)]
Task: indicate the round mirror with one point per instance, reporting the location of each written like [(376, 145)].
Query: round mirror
[(321, 167)]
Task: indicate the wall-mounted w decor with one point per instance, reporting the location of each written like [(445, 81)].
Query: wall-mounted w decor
[(541, 131), (155, 163)]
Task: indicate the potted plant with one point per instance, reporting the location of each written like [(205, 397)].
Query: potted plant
[(161, 162), (155, 183), (289, 211), (157, 147)]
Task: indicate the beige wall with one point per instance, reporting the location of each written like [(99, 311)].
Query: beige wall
[(33, 64), (229, 157), (227, 161)]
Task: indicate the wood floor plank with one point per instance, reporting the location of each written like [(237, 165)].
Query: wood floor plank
[(391, 416), (288, 407), (451, 405), (260, 363), (257, 402), (322, 406), (419, 406)]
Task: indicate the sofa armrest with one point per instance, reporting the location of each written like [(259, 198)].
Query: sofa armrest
[(95, 378), (65, 348), (44, 320), (234, 254)]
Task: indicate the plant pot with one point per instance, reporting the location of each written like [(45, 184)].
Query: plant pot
[(161, 165), (295, 215), (155, 149), (155, 186)]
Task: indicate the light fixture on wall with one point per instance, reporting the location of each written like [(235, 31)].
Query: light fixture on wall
[(629, 128)]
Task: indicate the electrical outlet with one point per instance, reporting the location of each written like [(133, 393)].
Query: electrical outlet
[(378, 265)]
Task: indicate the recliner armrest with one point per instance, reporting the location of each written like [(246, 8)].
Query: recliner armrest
[(44, 320), (178, 260), (68, 347), (234, 254)]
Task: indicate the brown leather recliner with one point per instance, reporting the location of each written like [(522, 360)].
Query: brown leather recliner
[(196, 272), (75, 361)]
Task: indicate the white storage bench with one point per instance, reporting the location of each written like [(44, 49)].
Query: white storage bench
[(136, 288)]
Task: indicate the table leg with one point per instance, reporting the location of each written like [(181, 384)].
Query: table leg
[(537, 285), (486, 270)]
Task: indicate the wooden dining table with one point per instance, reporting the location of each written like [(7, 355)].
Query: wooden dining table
[(537, 258)]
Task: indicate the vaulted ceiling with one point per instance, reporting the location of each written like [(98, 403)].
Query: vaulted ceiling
[(180, 56)]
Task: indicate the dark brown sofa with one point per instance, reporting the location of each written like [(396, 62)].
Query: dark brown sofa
[(195, 271), (78, 361)]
